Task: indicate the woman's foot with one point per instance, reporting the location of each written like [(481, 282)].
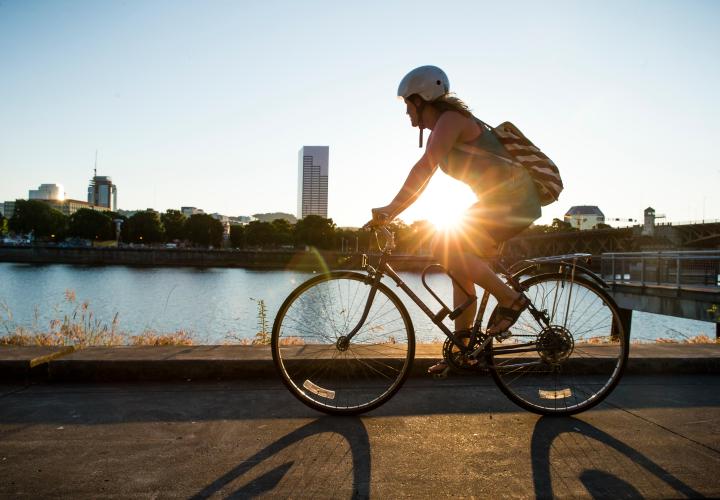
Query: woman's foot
[(505, 316), (438, 368)]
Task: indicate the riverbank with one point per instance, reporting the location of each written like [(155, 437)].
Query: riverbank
[(181, 363), (297, 260)]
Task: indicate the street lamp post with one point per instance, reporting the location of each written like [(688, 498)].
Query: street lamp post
[(118, 226)]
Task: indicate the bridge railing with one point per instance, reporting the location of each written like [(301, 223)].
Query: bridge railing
[(680, 268)]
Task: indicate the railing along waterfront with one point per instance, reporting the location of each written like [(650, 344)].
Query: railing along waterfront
[(669, 268)]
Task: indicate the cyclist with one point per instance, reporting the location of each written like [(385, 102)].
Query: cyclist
[(462, 147)]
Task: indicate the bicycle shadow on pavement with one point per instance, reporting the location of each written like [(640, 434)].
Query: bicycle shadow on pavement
[(605, 466), (327, 454)]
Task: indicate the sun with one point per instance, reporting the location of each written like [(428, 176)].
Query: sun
[(443, 203)]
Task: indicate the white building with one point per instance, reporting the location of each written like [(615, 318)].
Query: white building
[(313, 181), (47, 192), (585, 217), (189, 211)]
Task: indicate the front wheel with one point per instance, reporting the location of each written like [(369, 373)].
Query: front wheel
[(569, 364), (316, 361)]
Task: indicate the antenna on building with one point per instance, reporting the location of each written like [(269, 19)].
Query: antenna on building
[(95, 169)]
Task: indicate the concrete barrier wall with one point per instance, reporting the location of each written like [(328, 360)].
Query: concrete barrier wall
[(311, 260)]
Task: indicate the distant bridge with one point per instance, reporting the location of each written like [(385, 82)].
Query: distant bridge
[(682, 284), (631, 239)]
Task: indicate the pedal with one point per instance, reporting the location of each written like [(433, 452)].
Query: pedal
[(503, 336), (443, 374)]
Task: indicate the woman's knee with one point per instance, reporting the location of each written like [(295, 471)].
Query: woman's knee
[(448, 247)]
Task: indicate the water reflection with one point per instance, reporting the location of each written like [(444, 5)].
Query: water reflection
[(211, 303)]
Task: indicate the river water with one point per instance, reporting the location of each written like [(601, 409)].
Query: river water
[(214, 305)]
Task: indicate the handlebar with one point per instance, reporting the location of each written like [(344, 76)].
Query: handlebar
[(379, 225), (389, 238)]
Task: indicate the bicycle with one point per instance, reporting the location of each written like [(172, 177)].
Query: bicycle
[(343, 342)]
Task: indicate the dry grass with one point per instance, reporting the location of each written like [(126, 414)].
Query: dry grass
[(698, 339), (292, 341), (150, 337), (79, 327)]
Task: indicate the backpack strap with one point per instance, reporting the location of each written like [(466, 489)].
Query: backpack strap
[(483, 124)]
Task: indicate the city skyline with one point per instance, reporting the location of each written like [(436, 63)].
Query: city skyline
[(207, 105), (635, 219)]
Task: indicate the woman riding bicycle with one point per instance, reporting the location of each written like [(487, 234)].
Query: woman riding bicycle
[(462, 147)]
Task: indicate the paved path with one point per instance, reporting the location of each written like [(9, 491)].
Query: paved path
[(656, 437), (209, 362)]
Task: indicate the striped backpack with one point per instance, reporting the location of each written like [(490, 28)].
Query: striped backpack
[(543, 171)]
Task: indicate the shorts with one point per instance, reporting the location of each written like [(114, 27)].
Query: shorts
[(507, 209)]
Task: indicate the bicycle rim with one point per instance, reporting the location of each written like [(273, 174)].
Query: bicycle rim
[(573, 364), (323, 373)]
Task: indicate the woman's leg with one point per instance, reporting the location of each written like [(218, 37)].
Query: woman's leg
[(465, 320), (451, 250)]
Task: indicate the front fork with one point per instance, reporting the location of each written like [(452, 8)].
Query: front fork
[(344, 341)]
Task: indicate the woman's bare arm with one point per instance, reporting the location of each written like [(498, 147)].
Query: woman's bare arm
[(446, 132)]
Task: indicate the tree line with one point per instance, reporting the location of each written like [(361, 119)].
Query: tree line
[(150, 227), (46, 224)]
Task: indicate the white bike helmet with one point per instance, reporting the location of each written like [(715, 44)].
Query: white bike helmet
[(429, 82)]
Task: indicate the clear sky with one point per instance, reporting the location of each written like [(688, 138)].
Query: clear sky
[(207, 103)]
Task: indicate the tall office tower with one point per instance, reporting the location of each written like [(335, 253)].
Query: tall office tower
[(313, 181), (102, 192)]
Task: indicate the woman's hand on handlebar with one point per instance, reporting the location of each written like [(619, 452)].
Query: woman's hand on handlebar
[(380, 217)]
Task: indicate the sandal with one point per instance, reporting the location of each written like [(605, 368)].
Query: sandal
[(509, 315), (439, 367)]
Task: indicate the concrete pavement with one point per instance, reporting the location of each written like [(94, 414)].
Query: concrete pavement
[(655, 437)]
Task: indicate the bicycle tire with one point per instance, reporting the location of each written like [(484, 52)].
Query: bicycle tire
[(576, 362), (311, 362)]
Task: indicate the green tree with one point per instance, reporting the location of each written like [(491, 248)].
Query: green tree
[(237, 236), (282, 232), (143, 227), (91, 225), (258, 233), (3, 225), (560, 226), (315, 231), (203, 230), (174, 224), (39, 218)]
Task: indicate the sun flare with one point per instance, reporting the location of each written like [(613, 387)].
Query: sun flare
[(443, 203)]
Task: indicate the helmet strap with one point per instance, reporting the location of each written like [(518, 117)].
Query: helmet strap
[(420, 109)]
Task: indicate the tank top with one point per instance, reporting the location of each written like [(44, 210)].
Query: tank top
[(481, 163)]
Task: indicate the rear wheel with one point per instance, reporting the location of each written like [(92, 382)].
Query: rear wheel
[(575, 361), (316, 361)]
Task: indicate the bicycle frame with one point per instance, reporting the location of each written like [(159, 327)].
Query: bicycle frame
[(384, 269)]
